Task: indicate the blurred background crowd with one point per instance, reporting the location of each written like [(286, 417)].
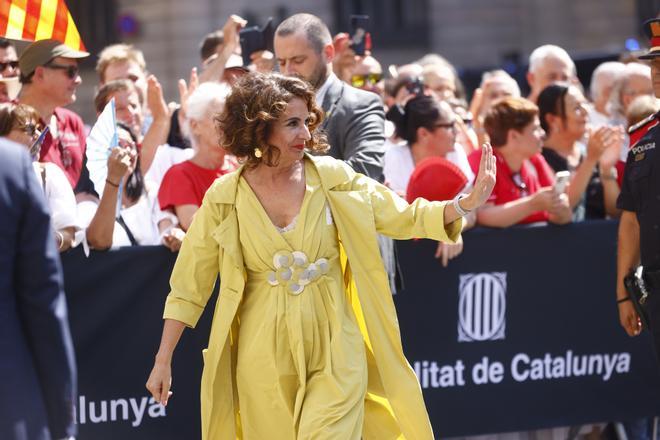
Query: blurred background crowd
[(542, 114)]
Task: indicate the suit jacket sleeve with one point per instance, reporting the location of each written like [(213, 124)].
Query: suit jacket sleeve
[(42, 306), (364, 136)]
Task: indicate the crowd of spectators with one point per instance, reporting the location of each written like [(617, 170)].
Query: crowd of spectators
[(170, 154)]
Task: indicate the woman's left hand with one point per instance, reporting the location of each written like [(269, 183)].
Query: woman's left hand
[(485, 181)]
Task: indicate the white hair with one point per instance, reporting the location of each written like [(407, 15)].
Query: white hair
[(539, 55), (605, 73), (615, 104), (432, 58), (201, 99), (204, 95), (501, 74)]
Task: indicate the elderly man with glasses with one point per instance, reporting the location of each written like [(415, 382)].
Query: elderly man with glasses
[(49, 77)]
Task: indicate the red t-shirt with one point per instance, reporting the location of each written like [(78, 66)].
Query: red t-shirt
[(66, 148), (535, 174), (186, 183)]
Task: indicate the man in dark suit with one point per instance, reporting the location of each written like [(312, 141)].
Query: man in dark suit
[(37, 368), (355, 119)]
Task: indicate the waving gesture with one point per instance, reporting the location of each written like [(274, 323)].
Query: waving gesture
[(483, 186), (485, 181)]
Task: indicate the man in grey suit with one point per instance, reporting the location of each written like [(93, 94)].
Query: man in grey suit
[(354, 119), (37, 369)]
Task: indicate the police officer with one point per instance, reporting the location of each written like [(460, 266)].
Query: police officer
[(639, 228)]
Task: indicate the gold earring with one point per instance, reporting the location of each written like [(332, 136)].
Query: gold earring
[(258, 153)]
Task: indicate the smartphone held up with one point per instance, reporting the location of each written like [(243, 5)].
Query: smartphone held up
[(360, 36), (254, 39)]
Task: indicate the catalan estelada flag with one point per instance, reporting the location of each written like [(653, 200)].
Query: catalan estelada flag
[(34, 20)]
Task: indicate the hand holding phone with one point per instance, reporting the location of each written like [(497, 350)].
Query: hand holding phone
[(561, 181), (255, 39), (360, 38)]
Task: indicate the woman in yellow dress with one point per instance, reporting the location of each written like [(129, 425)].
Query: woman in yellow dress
[(304, 342)]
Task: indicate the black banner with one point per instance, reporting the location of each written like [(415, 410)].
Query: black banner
[(116, 304), (519, 332), (522, 332)]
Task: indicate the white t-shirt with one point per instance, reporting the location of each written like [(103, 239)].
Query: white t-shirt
[(58, 192), (165, 157), (399, 165), (141, 219)]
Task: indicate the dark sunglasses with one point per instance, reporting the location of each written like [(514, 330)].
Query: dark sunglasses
[(30, 129), (360, 80), (69, 70), (12, 64)]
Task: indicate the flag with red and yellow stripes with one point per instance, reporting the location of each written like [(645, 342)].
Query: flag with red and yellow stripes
[(34, 20)]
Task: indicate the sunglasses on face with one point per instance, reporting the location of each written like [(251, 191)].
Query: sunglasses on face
[(29, 128), (361, 80), (71, 71), (12, 64)]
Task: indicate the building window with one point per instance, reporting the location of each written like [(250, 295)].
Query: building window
[(96, 22), (394, 23)]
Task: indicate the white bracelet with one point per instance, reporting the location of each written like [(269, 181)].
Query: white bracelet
[(457, 206)]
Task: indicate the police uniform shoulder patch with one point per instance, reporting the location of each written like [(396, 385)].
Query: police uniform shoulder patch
[(642, 123)]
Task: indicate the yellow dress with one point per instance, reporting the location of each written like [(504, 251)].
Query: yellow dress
[(301, 369), (393, 406)]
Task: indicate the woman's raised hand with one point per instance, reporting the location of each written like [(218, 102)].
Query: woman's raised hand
[(119, 162), (485, 181)]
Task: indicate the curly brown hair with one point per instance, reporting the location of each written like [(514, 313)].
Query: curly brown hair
[(256, 102)]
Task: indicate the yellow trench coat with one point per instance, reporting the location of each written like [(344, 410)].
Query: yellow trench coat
[(361, 208)]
